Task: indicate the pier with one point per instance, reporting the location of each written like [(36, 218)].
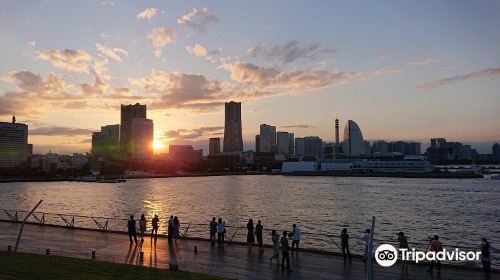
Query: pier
[(233, 261)]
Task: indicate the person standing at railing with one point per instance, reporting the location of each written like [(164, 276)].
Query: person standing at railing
[(296, 237), (403, 244), (154, 224), (176, 229), (344, 238), (258, 233), (213, 231), (276, 246), (250, 234), (486, 249), (435, 246), (285, 255), (366, 241), (170, 229), (221, 230), (142, 227), (131, 230)]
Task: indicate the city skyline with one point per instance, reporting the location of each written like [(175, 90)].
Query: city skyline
[(294, 76)]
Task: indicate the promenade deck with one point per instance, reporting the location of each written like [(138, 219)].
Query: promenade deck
[(232, 261)]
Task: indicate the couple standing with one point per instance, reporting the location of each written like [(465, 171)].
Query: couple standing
[(173, 228)]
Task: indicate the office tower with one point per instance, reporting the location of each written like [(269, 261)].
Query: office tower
[(267, 138), (368, 149), (337, 131), (214, 146), (13, 144), (291, 144), (284, 143), (185, 154), (380, 146), (495, 152), (413, 148), (438, 142), (141, 139), (129, 112), (257, 144), (299, 147), (233, 141), (353, 140), (313, 146), (106, 143)]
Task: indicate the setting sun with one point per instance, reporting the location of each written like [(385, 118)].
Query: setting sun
[(157, 145)]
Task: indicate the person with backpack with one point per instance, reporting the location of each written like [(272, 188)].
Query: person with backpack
[(435, 246), (285, 255), (344, 238), (486, 254), (213, 231), (258, 233), (403, 244)]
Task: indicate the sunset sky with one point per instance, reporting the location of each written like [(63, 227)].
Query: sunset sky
[(402, 70)]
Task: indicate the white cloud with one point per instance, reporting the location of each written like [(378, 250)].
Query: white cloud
[(67, 59), (490, 72), (386, 72), (197, 19), (147, 14), (160, 37), (114, 53), (197, 50), (427, 61)]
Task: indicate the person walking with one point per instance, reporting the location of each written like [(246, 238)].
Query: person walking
[(170, 229), (366, 240), (154, 230), (344, 238), (403, 244), (250, 234), (284, 252), (486, 249), (296, 237), (213, 231), (142, 227), (276, 247), (435, 246), (258, 233), (132, 230), (221, 230), (176, 228)]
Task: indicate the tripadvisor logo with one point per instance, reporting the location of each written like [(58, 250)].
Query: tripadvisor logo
[(387, 255)]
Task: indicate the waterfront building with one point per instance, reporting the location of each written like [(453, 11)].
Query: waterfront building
[(267, 138), (353, 140), (185, 154), (313, 147), (214, 146), (299, 147), (380, 147), (285, 143), (495, 151), (106, 143), (129, 112), (257, 144), (233, 140), (13, 144), (141, 139), (367, 149), (443, 151)]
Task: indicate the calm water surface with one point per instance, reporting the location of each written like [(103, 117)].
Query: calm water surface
[(460, 211)]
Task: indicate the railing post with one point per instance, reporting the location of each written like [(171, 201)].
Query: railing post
[(369, 273), (22, 225)]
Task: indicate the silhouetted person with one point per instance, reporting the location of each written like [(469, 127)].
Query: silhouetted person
[(213, 231), (258, 232), (435, 246), (486, 254), (177, 228), (131, 229), (403, 244), (284, 252), (366, 241), (221, 230), (344, 238), (154, 224), (142, 227), (170, 229), (250, 234), (296, 237), (276, 247)]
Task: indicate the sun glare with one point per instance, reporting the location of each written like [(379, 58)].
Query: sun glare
[(158, 145)]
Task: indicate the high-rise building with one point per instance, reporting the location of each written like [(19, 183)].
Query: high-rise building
[(141, 139), (495, 152), (106, 143), (267, 138), (313, 146), (233, 141), (184, 154), (13, 144), (380, 146), (353, 140), (214, 146), (129, 112), (285, 143), (299, 147), (257, 144)]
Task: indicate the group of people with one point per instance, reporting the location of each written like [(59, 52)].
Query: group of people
[(218, 228), (173, 228)]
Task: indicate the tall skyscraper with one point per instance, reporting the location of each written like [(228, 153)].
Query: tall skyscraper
[(257, 144), (267, 138), (106, 143), (313, 146), (141, 139), (233, 141), (299, 147), (214, 146), (129, 112), (354, 145), (13, 144), (285, 143)]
